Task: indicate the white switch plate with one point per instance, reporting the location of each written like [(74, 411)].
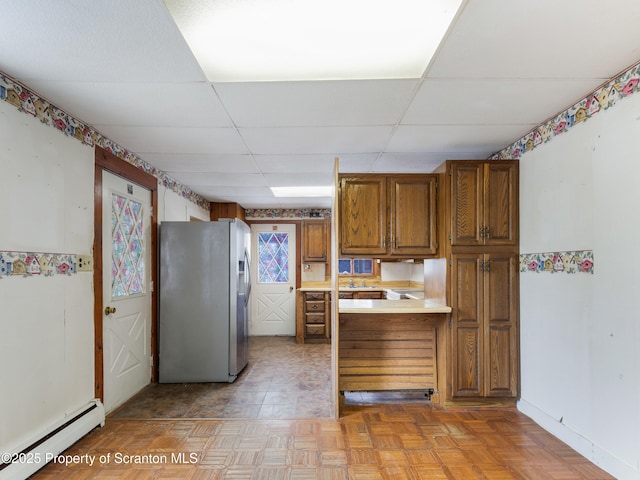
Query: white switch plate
[(84, 263)]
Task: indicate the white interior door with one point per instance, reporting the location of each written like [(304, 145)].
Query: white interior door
[(273, 280), (126, 235)]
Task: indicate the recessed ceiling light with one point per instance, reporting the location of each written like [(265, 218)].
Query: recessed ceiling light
[(259, 40), (309, 191)]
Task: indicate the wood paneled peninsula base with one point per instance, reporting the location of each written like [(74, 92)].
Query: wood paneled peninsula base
[(394, 345)]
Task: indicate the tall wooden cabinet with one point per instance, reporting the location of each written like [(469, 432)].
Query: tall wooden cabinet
[(484, 324), (388, 215), (480, 230)]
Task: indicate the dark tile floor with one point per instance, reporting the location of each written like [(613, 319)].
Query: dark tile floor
[(282, 380)]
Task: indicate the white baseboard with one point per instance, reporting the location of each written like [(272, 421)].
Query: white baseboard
[(585, 447), (58, 437)]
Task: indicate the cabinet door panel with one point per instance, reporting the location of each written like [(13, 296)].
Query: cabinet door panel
[(466, 203), (467, 382), (467, 327), (501, 320), (363, 220), (413, 215), (501, 204), (501, 370), (314, 241)]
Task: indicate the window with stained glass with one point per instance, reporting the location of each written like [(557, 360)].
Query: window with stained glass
[(127, 247), (273, 257)]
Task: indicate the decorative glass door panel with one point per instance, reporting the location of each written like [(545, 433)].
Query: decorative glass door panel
[(127, 247), (273, 257)]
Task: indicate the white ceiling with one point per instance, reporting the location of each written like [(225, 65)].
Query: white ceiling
[(124, 68)]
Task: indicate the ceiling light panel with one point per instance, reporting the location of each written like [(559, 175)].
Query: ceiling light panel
[(258, 40)]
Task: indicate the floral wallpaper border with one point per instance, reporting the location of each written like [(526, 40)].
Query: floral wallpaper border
[(579, 261), (290, 213), (26, 264), (28, 102), (604, 97)]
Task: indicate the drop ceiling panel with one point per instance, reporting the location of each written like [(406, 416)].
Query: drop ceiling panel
[(203, 163), (136, 104), (102, 41), (232, 191), (315, 140), (297, 179), (281, 104), (416, 162), (295, 163), (176, 140), (124, 68), (541, 39), (497, 101), (272, 202), (352, 162), (481, 140), (219, 179)]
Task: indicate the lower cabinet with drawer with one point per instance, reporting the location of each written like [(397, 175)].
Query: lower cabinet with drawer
[(314, 314)]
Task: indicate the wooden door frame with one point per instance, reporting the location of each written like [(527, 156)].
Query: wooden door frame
[(105, 160)]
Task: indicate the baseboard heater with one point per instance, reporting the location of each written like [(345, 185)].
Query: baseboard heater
[(53, 441)]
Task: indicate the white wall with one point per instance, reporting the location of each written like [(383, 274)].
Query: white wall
[(174, 207), (580, 334), (46, 323), (402, 271)]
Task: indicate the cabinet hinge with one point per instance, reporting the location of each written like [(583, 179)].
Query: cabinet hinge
[(450, 262), (450, 323), (437, 245), (450, 171), (449, 236)]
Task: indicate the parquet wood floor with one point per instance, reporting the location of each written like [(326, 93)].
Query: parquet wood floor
[(390, 439)]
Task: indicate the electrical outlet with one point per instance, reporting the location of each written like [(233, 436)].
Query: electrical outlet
[(85, 263)]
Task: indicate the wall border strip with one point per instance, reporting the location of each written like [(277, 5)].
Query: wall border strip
[(28, 264), (576, 261), (604, 97), (29, 102)]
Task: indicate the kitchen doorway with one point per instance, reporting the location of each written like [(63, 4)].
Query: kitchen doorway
[(107, 163), (273, 307), (126, 251)]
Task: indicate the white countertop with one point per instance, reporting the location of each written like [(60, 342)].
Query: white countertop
[(391, 306)]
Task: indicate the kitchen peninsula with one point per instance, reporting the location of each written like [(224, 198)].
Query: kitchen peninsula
[(393, 345)]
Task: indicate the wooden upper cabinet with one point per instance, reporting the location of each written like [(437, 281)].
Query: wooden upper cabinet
[(388, 215), (363, 215), (413, 215), (501, 203), (315, 240), (484, 203)]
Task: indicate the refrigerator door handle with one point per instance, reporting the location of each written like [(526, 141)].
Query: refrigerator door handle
[(247, 277)]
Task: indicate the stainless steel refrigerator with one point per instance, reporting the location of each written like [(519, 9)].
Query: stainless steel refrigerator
[(205, 285)]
